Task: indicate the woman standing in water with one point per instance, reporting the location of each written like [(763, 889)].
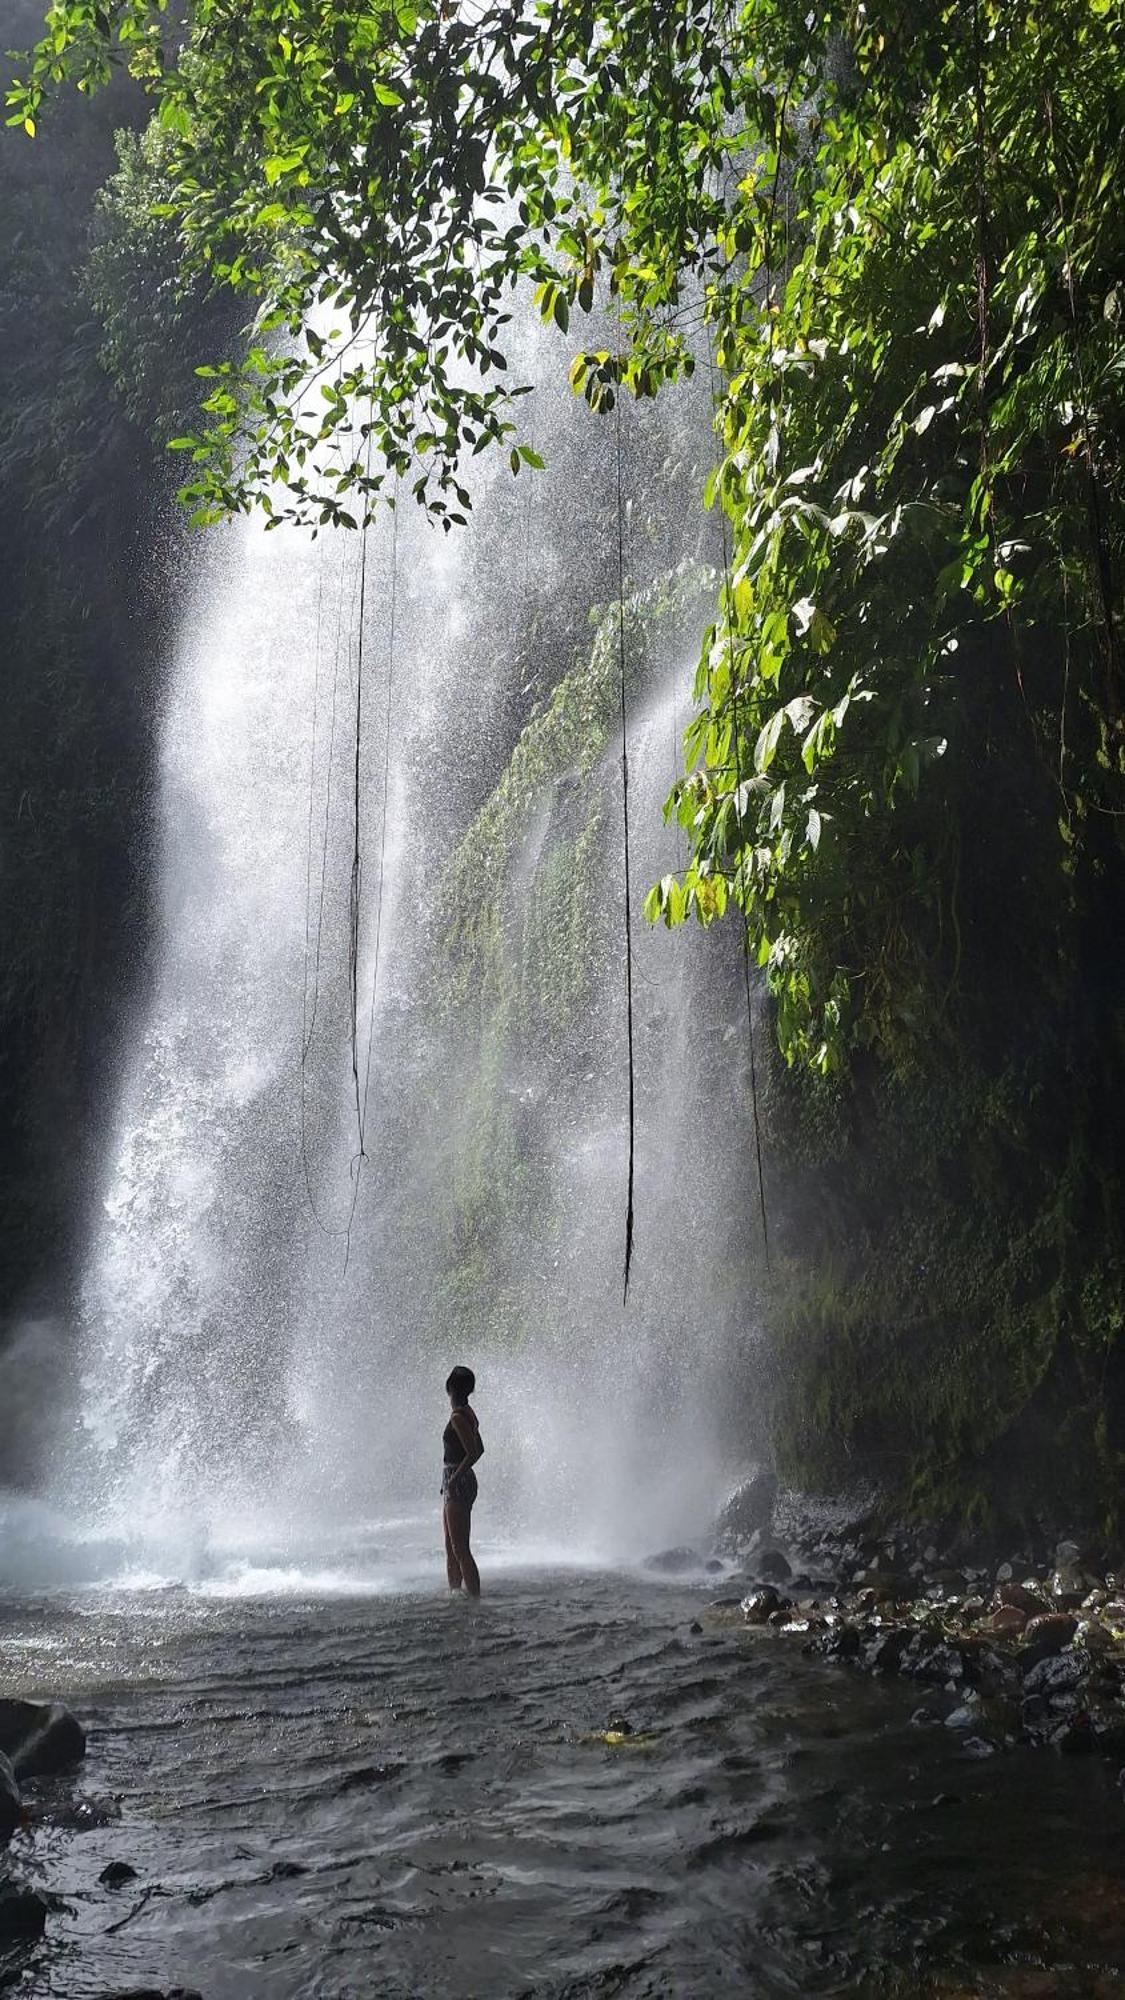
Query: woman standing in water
[(461, 1448)]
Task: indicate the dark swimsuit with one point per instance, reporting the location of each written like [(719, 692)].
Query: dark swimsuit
[(455, 1484)]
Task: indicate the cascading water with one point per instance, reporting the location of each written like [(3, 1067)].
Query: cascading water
[(271, 1303)]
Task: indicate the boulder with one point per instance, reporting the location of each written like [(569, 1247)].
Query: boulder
[(748, 1512), (1046, 1635), (23, 1912), (1008, 1622), (1092, 1634), (1020, 1597), (884, 1654), (11, 1804), (40, 1737), (939, 1664), (761, 1605), (116, 1874), (1068, 1585), (673, 1562), (1060, 1674)]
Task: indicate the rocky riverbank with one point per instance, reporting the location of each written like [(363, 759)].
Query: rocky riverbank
[(1027, 1648)]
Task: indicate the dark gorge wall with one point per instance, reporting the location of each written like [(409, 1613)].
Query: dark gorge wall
[(84, 585)]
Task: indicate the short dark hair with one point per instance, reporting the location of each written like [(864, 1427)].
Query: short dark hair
[(461, 1384)]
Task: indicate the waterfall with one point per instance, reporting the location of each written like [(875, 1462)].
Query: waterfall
[(277, 1281)]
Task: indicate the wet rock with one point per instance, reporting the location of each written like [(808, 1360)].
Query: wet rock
[(1107, 1725), (40, 1737), (840, 1642), (1067, 1552), (1093, 1635), (923, 1716), (713, 1566), (619, 1725), (761, 1604), (1074, 1736), (939, 1664), (978, 1746), (116, 1874), (1005, 1573), (23, 1912), (695, 1626), (884, 1654), (967, 1716), (286, 1871), (1046, 1635), (1008, 1622), (773, 1567), (673, 1562), (1021, 1597), (1067, 1586), (11, 1804), (732, 1603), (1057, 1675), (783, 1616), (748, 1512)]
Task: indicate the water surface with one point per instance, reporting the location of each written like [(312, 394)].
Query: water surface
[(398, 1794)]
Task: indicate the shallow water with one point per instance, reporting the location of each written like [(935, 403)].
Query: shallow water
[(399, 1795)]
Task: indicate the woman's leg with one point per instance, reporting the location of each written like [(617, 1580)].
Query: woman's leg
[(458, 1519), (452, 1565)]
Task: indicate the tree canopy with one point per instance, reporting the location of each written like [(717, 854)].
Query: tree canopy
[(891, 234)]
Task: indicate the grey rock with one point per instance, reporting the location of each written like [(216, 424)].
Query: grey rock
[(748, 1512), (978, 1746), (672, 1562), (116, 1874), (23, 1912), (40, 1737), (1062, 1673)]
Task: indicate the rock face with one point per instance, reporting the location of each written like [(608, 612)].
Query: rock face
[(747, 1513), (11, 1805), (40, 1737)]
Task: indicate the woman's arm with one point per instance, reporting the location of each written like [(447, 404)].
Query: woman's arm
[(467, 1429)]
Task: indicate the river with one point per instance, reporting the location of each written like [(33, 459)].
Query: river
[(333, 1787)]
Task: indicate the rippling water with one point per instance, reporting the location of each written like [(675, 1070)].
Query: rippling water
[(399, 1794)]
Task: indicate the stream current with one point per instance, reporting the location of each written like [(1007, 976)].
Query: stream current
[(331, 1790)]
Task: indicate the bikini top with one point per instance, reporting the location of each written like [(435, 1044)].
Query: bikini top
[(453, 1451)]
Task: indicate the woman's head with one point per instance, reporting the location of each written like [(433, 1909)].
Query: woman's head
[(460, 1385)]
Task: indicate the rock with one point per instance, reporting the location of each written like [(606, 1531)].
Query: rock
[(1107, 1725), (773, 1567), (782, 1616), (619, 1725), (116, 1874), (713, 1566), (748, 1512), (1067, 1552), (40, 1737), (884, 1654), (672, 1562), (922, 1716), (1008, 1622), (978, 1746), (1091, 1633), (967, 1716), (939, 1664), (1074, 1736), (1059, 1674), (761, 1604), (1005, 1573), (1046, 1635), (11, 1804), (733, 1603), (23, 1912), (1021, 1597), (1068, 1585), (695, 1626)]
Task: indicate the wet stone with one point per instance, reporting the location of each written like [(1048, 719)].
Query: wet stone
[(1046, 1635), (1062, 1673), (23, 1912), (761, 1604), (40, 1737), (773, 1567), (116, 1874), (672, 1562)]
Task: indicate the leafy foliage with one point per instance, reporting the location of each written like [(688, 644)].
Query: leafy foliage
[(892, 231)]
